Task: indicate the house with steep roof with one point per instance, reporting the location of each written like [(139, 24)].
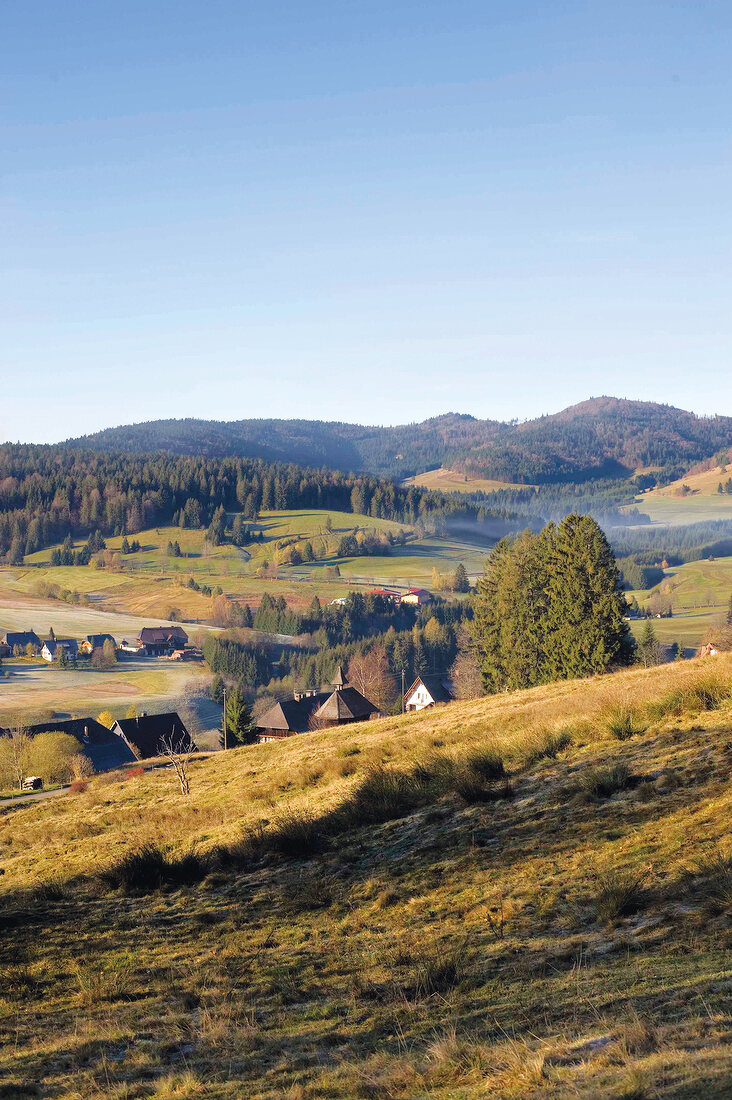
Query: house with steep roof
[(427, 691), (161, 641), (417, 597), (21, 639), (54, 647), (146, 734)]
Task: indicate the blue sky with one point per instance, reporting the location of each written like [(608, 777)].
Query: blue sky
[(371, 211)]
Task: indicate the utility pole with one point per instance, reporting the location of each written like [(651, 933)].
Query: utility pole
[(225, 739), (402, 691)]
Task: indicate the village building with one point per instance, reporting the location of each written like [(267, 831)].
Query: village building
[(95, 641), (427, 691), (161, 641), (316, 710), (386, 594), (21, 639), (290, 716), (54, 647), (104, 749), (417, 597), (147, 734)]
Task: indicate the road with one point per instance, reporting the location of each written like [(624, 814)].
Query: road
[(35, 796)]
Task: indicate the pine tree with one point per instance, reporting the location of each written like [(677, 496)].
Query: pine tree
[(240, 728), (586, 627), (649, 651), (729, 611), (460, 582)]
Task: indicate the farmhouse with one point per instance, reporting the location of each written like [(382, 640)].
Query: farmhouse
[(417, 597), (102, 747), (21, 639), (385, 593), (54, 647), (95, 641), (316, 710), (161, 641), (147, 734), (426, 691)]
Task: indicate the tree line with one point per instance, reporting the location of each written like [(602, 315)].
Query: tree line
[(50, 495)]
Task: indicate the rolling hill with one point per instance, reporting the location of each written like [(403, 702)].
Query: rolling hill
[(519, 896), (602, 437)]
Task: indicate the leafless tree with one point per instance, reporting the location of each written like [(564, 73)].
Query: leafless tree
[(20, 743), (465, 671), (179, 752), (370, 674)]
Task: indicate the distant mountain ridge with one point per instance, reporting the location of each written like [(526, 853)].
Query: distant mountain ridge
[(601, 437)]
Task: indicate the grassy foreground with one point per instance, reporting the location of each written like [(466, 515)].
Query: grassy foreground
[(527, 895)]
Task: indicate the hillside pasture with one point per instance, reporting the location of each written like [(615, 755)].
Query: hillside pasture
[(671, 505), (699, 593), (454, 481), (153, 583), (546, 940)]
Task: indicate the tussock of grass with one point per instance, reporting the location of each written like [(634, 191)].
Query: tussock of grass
[(623, 722), (294, 835), (600, 782), (149, 867), (545, 745), (618, 894), (713, 881), (708, 691), (439, 969)]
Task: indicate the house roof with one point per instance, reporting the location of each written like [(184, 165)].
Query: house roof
[(435, 686), (345, 704), (97, 640), (339, 679), (147, 732), (417, 592), (292, 715), (22, 637), (105, 749), (162, 635)]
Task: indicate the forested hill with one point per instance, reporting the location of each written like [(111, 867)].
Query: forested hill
[(602, 437)]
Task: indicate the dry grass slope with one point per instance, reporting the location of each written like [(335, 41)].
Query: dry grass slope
[(528, 895)]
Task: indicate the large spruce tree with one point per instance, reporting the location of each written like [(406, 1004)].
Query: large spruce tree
[(510, 608), (586, 627), (550, 607)]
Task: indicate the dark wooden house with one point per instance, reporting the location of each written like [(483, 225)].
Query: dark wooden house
[(162, 641), (145, 734)]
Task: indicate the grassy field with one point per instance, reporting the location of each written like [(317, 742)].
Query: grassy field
[(670, 505), (452, 481), (699, 594), (152, 584), (568, 935), (32, 691)]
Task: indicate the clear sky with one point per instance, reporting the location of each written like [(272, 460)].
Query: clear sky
[(368, 210)]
